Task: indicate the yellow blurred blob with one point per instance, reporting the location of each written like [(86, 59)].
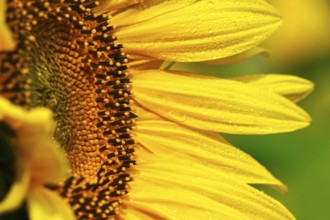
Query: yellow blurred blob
[(39, 160), (305, 30), (6, 40)]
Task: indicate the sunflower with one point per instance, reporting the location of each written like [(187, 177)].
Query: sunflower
[(143, 142)]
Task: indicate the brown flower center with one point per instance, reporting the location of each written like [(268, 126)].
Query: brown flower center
[(67, 59)]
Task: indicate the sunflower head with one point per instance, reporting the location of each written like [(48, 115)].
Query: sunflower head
[(69, 60)]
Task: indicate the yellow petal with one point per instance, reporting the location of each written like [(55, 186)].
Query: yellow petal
[(291, 87), (136, 212), (148, 9), (6, 38), (241, 56), (216, 104), (153, 196), (34, 142), (227, 191), (141, 63), (107, 6), (207, 149), (47, 159), (18, 190), (190, 31), (45, 204), (223, 61)]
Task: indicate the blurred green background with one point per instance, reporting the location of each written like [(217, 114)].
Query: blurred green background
[(300, 159)]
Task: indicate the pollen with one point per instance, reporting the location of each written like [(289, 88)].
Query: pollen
[(67, 59)]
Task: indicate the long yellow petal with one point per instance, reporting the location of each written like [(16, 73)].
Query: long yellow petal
[(45, 204), (291, 87), (205, 148), (136, 212), (190, 31), (240, 57), (235, 58), (216, 104), (152, 196), (106, 6), (227, 191), (142, 63)]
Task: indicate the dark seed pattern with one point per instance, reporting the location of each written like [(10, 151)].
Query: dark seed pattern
[(68, 60)]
